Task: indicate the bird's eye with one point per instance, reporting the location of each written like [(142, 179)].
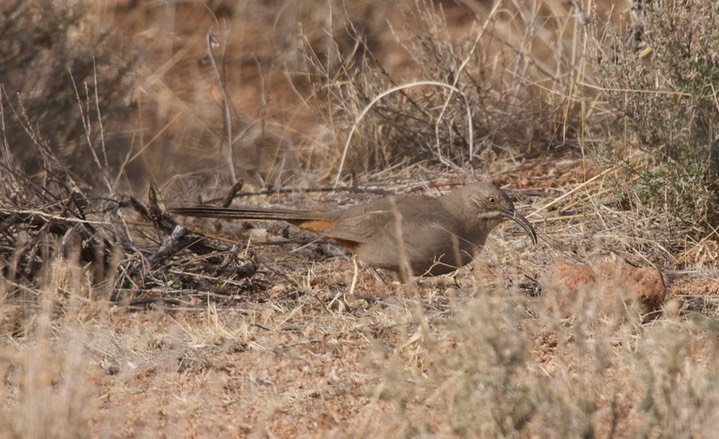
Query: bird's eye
[(492, 200)]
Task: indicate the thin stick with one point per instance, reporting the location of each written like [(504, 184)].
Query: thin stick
[(211, 42)]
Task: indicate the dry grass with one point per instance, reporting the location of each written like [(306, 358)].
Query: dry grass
[(116, 322)]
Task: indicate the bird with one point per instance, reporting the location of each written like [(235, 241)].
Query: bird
[(416, 235)]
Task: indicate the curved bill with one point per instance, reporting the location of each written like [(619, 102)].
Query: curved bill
[(522, 221)]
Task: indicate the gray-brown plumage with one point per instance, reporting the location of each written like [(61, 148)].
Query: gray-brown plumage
[(438, 234)]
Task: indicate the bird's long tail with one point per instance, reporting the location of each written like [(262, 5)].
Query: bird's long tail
[(249, 213)]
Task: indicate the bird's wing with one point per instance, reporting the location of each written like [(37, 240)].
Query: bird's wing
[(382, 219), (360, 227)]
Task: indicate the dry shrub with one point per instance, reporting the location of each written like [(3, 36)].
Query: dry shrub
[(182, 126), (58, 79), (299, 74), (516, 69), (50, 382), (511, 367), (660, 80)]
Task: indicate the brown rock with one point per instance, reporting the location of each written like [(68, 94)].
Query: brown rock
[(645, 284)]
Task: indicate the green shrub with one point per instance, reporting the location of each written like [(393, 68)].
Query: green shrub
[(662, 85)]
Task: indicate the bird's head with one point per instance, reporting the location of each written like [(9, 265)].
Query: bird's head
[(491, 205)]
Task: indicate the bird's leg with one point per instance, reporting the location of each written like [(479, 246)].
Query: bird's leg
[(377, 276), (341, 298), (355, 275)]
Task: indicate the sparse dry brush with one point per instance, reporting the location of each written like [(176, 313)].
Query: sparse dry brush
[(661, 86), (117, 321), (511, 70), (58, 78)]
